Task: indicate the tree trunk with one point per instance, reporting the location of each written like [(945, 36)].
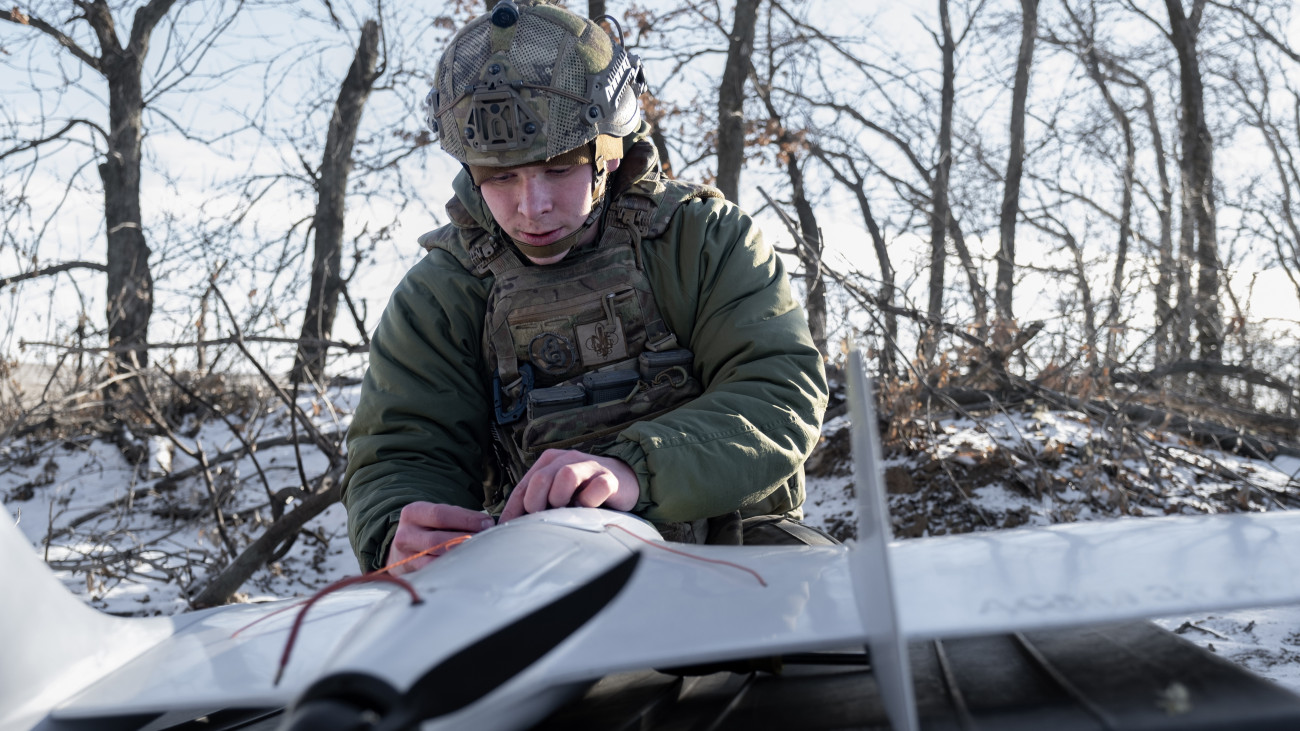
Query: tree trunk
[(731, 99), (1125, 234), (1111, 323), (939, 214), (1199, 225), (858, 185), (596, 9), (655, 113), (130, 283), (1015, 163), (815, 300), (1085, 301), (129, 290), (332, 185), (129, 296), (1166, 274), (327, 491), (978, 295)]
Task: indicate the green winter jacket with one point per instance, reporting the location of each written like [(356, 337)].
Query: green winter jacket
[(421, 429)]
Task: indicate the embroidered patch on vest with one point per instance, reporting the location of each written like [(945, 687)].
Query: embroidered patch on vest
[(553, 354), (602, 343)]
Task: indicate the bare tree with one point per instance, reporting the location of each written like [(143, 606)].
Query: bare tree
[(1199, 228), (1272, 213), (1166, 266), (332, 185), (943, 223), (895, 87), (939, 213), (1003, 290), (1090, 56), (855, 182), (1050, 224), (130, 294), (731, 99)]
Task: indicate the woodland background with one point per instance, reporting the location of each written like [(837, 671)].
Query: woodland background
[(1015, 208)]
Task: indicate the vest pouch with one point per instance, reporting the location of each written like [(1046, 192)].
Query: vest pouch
[(543, 401), (582, 332), (602, 386), (597, 425), (650, 363)]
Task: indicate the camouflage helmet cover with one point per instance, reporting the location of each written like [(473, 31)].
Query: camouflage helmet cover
[(528, 82)]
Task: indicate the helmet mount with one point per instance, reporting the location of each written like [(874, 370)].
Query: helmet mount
[(505, 14)]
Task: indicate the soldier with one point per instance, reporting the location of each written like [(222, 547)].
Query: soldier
[(585, 331)]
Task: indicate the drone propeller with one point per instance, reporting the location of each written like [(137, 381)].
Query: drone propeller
[(360, 702)]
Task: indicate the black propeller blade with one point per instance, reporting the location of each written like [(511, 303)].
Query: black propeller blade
[(472, 672)]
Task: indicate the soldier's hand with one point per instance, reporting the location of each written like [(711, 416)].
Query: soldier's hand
[(564, 477), (425, 525)]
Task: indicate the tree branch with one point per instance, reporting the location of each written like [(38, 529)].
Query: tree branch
[(56, 269), (57, 135), (16, 16), (329, 489), (146, 19)]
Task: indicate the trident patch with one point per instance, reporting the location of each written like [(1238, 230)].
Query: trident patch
[(602, 342)]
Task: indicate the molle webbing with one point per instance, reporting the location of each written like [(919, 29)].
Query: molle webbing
[(572, 317)]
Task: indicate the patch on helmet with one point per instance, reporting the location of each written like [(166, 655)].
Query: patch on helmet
[(552, 354)]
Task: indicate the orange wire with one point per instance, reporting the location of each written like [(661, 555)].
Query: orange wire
[(378, 575), (660, 545), (340, 584), (445, 544)]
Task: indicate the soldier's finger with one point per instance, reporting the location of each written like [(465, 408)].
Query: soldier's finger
[(597, 491), (569, 479), (439, 516), (414, 564), (538, 489), (515, 504)]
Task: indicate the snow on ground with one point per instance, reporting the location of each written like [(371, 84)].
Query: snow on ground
[(131, 541)]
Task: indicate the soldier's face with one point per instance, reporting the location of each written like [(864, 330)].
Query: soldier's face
[(538, 205)]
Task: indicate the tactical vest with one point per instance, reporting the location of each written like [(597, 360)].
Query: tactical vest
[(579, 350)]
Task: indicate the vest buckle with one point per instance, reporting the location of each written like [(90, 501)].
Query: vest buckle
[(633, 218), (482, 253), (524, 385)]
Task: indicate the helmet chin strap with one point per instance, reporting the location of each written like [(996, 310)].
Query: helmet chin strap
[(564, 244)]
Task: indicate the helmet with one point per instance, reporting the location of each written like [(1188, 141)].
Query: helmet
[(529, 81)]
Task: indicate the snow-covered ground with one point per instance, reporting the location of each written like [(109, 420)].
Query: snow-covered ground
[(132, 541)]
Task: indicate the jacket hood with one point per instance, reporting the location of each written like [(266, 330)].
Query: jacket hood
[(468, 209)]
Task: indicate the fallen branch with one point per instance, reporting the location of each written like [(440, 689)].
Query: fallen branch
[(328, 490), (229, 340), (1203, 367)]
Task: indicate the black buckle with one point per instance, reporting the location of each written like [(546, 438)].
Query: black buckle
[(511, 416), (483, 252), (633, 218)]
